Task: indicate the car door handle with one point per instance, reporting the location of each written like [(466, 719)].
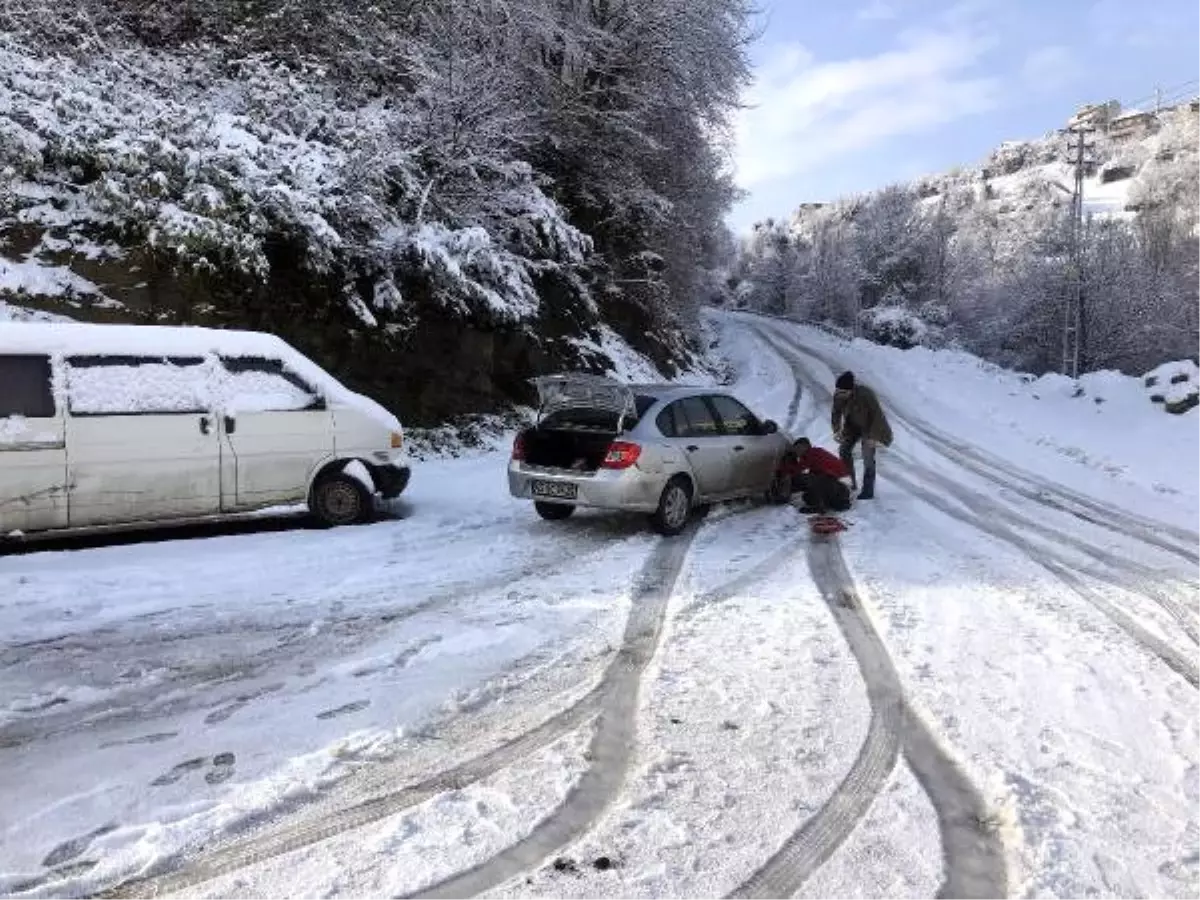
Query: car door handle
[(205, 425), (230, 424), (692, 448), (738, 449)]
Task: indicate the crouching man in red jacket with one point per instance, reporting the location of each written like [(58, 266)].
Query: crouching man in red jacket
[(816, 475)]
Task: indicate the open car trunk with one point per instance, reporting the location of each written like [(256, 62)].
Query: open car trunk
[(580, 415), (554, 448)]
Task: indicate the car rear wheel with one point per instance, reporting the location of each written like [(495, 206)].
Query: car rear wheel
[(674, 507), (338, 499), (553, 512)]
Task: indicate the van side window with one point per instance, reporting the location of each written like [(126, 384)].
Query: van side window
[(137, 385), (27, 391), (261, 384)]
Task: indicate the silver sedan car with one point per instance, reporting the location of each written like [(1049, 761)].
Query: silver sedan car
[(658, 449)]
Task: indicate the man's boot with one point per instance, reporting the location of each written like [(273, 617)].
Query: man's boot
[(846, 454), (868, 490)]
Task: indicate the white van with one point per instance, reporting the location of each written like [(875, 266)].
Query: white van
[(111, 425)]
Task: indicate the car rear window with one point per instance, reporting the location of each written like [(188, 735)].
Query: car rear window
[(587, 419)]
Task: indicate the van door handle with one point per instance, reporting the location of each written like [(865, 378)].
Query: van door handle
[(692, 448), (230, 424), (205, 425)]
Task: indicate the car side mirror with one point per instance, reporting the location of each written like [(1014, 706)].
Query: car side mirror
[(769, 427)]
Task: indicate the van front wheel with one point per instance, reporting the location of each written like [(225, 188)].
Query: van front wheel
[(338, 499)]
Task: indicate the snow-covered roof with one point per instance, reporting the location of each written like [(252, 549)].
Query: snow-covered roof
[(79, 339)]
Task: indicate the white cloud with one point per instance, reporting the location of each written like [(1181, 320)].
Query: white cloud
[(1047, 68), (802, 112), (877, 11)]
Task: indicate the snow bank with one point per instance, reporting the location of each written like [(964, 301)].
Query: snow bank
[(626, 364), (1176, 385), (10, 313), (35, 278)]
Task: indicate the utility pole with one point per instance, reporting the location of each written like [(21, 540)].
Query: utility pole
[(1078, 149)]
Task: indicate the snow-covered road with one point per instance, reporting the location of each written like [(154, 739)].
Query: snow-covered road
[(988, 685)]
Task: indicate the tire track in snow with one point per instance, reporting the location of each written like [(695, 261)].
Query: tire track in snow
[(993, 525), (1139, 576), (613, 699), (1062, 499), (817, 839), (341, 634), (613, 744), (973, 854)]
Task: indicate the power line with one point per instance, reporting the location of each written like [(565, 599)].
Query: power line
[(1158, 93)]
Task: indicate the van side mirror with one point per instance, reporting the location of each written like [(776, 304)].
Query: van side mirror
[(769, 427)]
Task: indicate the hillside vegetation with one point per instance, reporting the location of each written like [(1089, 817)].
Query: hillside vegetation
[(979, 256), (434, 198)]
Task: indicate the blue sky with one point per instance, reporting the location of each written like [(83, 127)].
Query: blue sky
[(855, 94)]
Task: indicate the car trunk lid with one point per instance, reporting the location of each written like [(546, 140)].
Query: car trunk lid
[(577, 390)]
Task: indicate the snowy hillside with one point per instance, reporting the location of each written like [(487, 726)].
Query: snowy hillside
[(397, 188), (981, 256)]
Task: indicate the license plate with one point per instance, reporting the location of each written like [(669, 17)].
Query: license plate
[(559, 490)]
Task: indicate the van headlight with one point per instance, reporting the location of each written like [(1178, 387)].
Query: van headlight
[(397, 440)]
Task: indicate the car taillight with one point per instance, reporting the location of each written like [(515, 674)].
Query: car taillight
[(518, 452), (621, 455), (397, 440)]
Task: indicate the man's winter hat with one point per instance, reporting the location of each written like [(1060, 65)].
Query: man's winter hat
[(845, 382)]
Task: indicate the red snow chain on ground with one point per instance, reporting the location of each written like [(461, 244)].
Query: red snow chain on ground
[(827, 525)]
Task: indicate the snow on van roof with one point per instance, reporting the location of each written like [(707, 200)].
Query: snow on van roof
[(80, 339), (77, 338)]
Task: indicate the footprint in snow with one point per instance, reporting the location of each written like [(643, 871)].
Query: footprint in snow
[(356, 706), (222, 769), (177, 772), (223, 713), (156, 738), (70, 849)]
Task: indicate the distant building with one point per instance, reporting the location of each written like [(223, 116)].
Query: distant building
[(1133, 125), (1097, 115)]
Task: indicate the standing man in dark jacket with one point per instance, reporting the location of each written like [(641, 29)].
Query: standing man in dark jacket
[(857, 415)]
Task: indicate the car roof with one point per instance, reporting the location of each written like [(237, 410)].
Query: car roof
[(673, 391)]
